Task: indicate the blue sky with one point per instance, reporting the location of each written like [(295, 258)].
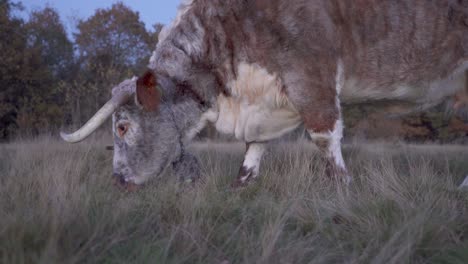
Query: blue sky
[(151, 11)]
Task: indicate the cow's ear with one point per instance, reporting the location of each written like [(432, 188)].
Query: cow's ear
[(147, 93)]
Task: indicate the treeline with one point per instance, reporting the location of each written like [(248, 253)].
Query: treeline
[(48, 78), (375, 122)]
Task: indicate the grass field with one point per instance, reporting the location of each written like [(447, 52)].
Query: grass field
[(57, 205)]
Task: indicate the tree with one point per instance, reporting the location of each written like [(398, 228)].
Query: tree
[(33, 63), (114, 37), (43, 102), (12, 70), (42, 77), (47, 34), (112, 45)]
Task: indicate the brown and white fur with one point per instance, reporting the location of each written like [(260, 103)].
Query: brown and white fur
[(258, 69), (266, 66)]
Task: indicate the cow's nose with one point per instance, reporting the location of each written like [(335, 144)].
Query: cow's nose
[(119, 178), (120, 182)]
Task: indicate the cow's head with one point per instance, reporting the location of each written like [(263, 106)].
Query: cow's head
[(146, 136)]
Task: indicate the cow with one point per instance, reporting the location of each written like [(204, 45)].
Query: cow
[(258, 69)]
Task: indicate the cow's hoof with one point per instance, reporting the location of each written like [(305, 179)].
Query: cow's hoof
[(244, 178), (239, 183)]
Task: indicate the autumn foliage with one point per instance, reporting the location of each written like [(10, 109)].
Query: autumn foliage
[(51, 78)]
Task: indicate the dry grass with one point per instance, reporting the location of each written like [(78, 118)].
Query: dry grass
[(57, 205)]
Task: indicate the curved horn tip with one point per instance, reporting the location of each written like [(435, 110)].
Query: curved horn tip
[(68, 137)]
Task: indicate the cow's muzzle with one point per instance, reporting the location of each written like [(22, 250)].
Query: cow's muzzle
[(123, 184)]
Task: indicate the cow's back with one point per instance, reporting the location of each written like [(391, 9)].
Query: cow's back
[(374, 37), (403, 50)]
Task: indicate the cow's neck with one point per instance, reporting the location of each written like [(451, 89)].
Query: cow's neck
[(186, 53), (186, 114)]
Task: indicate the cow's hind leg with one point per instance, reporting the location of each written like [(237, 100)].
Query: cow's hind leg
[(329, 144), (251, 165), (323, 120)]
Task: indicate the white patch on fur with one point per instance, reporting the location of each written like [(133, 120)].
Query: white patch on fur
[(152, 61), (257, 109), (340, 77), (337, 133), (208, 116), (335, 144), (252, 158)]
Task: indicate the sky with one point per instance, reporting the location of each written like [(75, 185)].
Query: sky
[(151, 11)]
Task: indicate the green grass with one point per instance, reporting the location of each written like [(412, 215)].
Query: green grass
[(58, 205)]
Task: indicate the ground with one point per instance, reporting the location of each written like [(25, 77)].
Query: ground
[(58, 205)]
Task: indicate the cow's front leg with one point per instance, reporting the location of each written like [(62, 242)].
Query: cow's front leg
[(187, 168), (251, 165)]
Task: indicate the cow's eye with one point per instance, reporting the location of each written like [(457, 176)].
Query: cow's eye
[(122, 129)]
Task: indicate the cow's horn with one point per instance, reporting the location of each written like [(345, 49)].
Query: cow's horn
[(117, 100)]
